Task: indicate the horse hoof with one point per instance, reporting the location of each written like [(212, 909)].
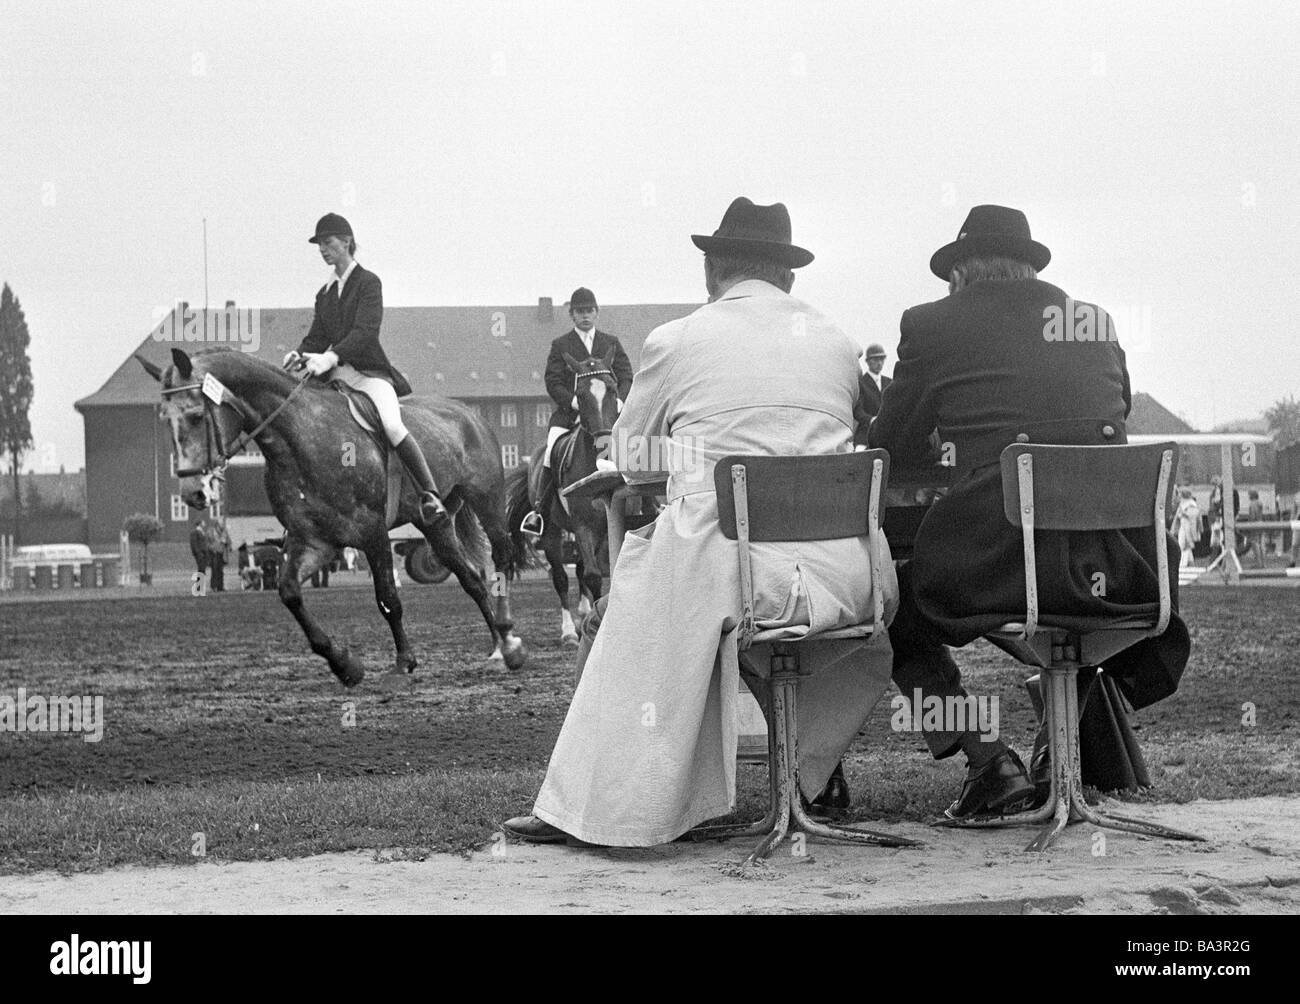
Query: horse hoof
[(569, 641), (349, 670), (405, 665), (516, 655)]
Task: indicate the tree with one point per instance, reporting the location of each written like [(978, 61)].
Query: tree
[(15, 389), (143, 528), (1284, 419)]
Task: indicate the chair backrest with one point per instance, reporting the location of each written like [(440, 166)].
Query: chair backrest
[(1089, 488), (800, 498)]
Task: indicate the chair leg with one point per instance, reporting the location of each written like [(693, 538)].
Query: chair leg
[(786, 813), (725, 831), (1065, 803)]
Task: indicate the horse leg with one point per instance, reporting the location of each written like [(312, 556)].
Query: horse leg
[(380, 555), (448, 550), (301, 560), (553, 547), (487, 509), (588, 544)]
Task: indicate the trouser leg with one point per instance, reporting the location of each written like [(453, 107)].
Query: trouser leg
[(923, 668)]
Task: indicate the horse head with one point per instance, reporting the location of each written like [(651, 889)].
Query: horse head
[(200, 428), (597, 391)]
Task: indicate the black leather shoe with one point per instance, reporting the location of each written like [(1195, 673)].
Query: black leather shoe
[(534, 830), (836, 793), (991, 790)]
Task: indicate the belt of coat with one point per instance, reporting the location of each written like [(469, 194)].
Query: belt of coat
[(971, 452)]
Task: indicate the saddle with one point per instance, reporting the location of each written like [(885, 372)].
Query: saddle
[(561, 455), (366, 415)]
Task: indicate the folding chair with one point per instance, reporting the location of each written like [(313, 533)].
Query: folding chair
[(1079, 488), (798, 499)]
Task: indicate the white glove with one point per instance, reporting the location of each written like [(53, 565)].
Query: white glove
[(574, 406), (320, 363), (292, 360)]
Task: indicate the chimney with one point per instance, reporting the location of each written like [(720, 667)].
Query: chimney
[(545, 309), (230, 304)]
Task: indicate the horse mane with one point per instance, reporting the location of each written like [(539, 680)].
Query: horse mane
[(247, 371)]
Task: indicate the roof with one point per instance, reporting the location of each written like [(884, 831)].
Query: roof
[(1147, 416), (466, 352)]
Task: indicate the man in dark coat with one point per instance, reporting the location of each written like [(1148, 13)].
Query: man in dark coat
[(582, 341), (1006, 358), (871, 385)]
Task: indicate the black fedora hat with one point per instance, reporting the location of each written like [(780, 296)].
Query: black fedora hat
[(763, 231), (330, 225), (582, 297), (991, 230)]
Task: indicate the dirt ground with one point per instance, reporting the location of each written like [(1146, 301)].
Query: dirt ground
[(1250, 864)]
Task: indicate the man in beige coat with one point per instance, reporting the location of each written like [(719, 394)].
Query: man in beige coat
[(648, 748)]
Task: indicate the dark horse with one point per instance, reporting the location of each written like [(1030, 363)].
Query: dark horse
[(326, 479), (597, 391)]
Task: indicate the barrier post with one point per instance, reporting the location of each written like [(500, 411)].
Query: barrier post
[(1231, 568), (124, 559), (6, 556)]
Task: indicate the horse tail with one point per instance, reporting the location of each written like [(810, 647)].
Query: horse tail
[(517, 507), (473, 540)]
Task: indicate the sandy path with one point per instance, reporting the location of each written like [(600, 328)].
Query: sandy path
[(1251, 864)]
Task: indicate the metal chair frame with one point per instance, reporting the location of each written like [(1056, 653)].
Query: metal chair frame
[(782, 499), (1059, 653)]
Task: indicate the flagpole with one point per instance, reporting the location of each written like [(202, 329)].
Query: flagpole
[(205, 267)]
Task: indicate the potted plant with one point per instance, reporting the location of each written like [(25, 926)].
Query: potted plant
[(143, 528)]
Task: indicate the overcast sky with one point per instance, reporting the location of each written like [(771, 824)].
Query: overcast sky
[(495, 153)]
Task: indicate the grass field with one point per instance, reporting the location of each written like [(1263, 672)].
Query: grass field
[(224, 735)]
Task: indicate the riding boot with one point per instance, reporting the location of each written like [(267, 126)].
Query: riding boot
[(432, 511), (534, 523)]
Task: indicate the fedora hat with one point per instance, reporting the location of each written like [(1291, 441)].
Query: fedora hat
[(991, 230), (330, 225), (762, 231), (582, 297)]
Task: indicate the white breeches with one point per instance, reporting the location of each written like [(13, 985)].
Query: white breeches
[(381, 392)]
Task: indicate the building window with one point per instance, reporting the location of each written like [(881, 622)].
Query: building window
[(509, 417), (510, 456), (180, 511), (542, 418)]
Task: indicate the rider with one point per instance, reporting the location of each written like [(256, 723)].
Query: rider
[(582, 341), (344, 343)]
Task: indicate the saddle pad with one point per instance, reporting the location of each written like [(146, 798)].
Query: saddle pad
[(366, 415)]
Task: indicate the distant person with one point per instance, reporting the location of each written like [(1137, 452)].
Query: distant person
[(218, 541), (582, 341), (343, 344), (1255, 514), (199, 546), (871, 387), (1187, 525)]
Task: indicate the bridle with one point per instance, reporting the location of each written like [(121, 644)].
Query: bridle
[(613, 382), (218, 452)]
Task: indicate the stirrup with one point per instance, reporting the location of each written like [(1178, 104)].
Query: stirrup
[(533, 525)]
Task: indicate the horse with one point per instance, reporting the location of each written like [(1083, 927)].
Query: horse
[(327, 482), (596, 389)]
